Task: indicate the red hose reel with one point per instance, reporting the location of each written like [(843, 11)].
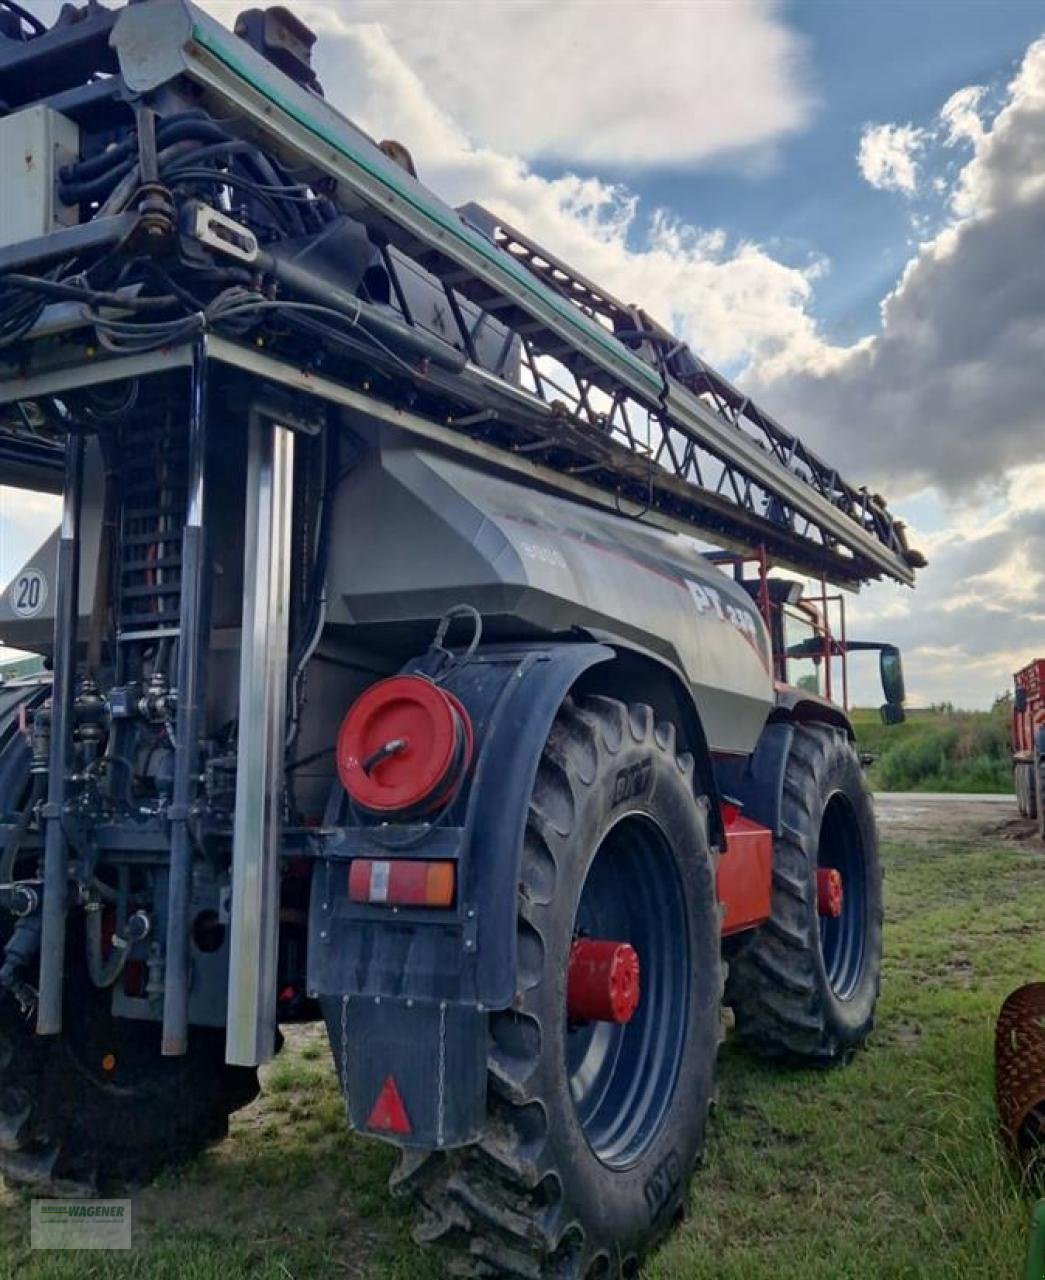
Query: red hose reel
[(404, 747)]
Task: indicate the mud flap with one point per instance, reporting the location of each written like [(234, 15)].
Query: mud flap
[(413, 1075)]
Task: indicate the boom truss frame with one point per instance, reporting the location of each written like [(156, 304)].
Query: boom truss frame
[(609, 397)]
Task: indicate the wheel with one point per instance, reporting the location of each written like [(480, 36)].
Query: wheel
[(593, 1128), (805, 985), (97, 1106), (1019, 786)]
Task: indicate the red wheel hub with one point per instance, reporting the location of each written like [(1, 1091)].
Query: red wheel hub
[(829, 892), (602, 984), (404, 745)]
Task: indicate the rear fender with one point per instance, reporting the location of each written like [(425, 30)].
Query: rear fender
[(756, 782), (802, 707), (465, 955), (405, 993)]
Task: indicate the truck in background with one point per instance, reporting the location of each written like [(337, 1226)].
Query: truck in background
[(1028, 740)]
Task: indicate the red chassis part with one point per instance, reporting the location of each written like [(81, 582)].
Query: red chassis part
[(829, 892), (745, 872), (1030, 682), (602, 983)]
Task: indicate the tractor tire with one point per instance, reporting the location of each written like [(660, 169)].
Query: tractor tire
[(65, 1120), (804, 987), (1037, 793), (1026, 789), (593, 1129)]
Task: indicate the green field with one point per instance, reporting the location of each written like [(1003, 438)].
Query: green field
[(939, 749), (888, 1168)]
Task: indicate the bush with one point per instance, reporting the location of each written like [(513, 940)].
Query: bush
[(940, 749)]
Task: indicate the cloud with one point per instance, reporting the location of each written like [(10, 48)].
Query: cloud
[(732, 300), (614, 85), (25, 520), (960, 116), (950, 390), (978, 612), (887, 156)]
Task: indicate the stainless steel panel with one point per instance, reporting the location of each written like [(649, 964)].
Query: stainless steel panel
[(259, 779)]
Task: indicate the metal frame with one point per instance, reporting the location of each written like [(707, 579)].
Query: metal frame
[(63, 698), (579, 463), (194, 638), (765, 476), (257, 830)]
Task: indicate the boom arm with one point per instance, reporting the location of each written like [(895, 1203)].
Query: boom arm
[(607, 397)]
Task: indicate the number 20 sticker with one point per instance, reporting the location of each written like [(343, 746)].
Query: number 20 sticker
[(28, 593)]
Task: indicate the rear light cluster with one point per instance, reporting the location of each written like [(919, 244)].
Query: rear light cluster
[(401, 882)]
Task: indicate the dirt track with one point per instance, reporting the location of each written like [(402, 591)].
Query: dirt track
[(920, 814)]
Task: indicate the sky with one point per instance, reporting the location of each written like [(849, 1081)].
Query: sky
[(841, 205)]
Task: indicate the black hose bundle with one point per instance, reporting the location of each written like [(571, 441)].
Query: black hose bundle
[(25, 19)]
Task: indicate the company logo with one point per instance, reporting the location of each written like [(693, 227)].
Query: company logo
[(632, 781), (80, 1224), (660, 1188), (709, 602)]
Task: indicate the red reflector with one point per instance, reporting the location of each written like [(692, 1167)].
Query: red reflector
[(389, 1113), (401, 882)]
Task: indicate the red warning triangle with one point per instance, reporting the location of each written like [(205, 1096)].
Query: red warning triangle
[(389, 1113)]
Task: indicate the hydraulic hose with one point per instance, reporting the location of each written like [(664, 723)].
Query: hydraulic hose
[(82, 170), (10, 859), (103, 971), (92, 179)]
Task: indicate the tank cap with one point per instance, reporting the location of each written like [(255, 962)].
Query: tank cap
[(404, 746)]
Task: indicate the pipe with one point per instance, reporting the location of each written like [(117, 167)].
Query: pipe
[(372, 319), (63, 693), (195, 622), (96, 184), (105, 972)]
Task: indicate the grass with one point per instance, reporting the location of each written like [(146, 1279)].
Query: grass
[(939, 748), (888, 1168)]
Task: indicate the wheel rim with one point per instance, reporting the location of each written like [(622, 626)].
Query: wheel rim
[(843, 938), (622, 1077)]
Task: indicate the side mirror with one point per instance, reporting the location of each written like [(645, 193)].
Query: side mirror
[(893, 713), (890, 667), (1019, 701)]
